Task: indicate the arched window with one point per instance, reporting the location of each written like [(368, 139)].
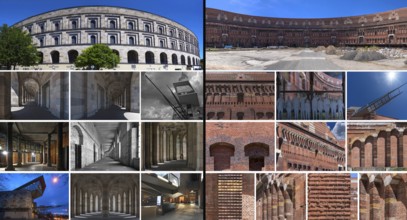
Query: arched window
[(93, 39), (55, 57), (150, 57), (56, 40), (56, 25), (41, 56), (93, 24), (72, 55), (42, 28), (174, 59), (148, 42), (73, 40), (112, 40), (172, 45), (163, 58), (182, 60), (162, 44), (74, 25), (131, 40), (41, 42), (130, 26), (189, 61), (147, 28), (132, 57), (112, 25), (161, 30), (171, 33)]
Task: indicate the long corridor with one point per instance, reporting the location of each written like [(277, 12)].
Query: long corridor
[(107, 164), (98, 215)]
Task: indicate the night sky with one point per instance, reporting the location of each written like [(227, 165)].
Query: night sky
[(186, 12), (306, 9), (55, 194), (365, 87)]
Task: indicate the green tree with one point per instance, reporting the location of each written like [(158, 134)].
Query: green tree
[(16, 48), (98, 56)]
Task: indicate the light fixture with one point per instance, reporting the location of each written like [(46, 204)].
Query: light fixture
[(4, 152)]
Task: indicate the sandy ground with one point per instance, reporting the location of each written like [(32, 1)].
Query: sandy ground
[(291, 59)]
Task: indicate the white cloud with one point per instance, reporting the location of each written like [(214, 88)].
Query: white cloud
[(339, 130)]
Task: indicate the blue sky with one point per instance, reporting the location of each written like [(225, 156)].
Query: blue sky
[(186, 12), (364, 87), (54, 194), (306, 9), (338, 129)]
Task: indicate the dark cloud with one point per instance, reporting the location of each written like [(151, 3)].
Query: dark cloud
[(154, 106)]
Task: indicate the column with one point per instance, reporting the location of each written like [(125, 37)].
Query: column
[(77, 203), (269, 203), (288, 206), (167, 146), (25, 153), (154, 145), (400, 156), (181, 147), (280, 205), (274, 200), (375, 207), (174, 145), (264, 205), (10, 166), (45, 158), (387, 149), (161, 143), (83, 203), (49, 151), (147, 144), (19, 152), (60, 164), (391, 203), (42, 154), (374, 152)]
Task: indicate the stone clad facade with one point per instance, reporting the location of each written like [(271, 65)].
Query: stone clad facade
[(240, 146), (377, 146), (306, 146), (239, 95), (141, 39), (239, 30), (280, 196)]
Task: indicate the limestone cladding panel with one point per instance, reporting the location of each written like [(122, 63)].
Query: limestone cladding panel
[(90, 139), (240, 135), (5, 92), (59, 88), (78, 95), (165, 35), (14, 89), (135, 92)]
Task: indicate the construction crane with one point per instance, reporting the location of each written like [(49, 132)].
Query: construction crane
[(377, 103)]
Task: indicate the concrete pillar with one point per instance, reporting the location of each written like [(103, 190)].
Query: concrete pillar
[(60, 162), (174, 145), (77, 202), (10, 166), (19, 152), (44, 152), (180, 147), (83, 203), (147, 144), (167, 146), (5, 94), (154, 144), (49, 151), (161, 143)]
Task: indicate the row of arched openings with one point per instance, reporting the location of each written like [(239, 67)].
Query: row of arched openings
[(132, 58)]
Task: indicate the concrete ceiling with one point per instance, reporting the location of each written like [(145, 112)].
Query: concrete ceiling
[(33, 81), (115, 82), (37, 131), (107, 132)]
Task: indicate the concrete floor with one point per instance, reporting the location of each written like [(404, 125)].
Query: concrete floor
[(183, 212), (98, 215), (34, 166), (114, 112), (107, 164), (29, 112), (179, 165)]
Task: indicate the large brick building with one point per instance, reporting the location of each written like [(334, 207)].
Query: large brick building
[(239, 95), (239, 30), (307, 146), (310, 95), (377, 146), (383, 196), (239, 146), (280, 196), (332, 196), (230, 196)]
